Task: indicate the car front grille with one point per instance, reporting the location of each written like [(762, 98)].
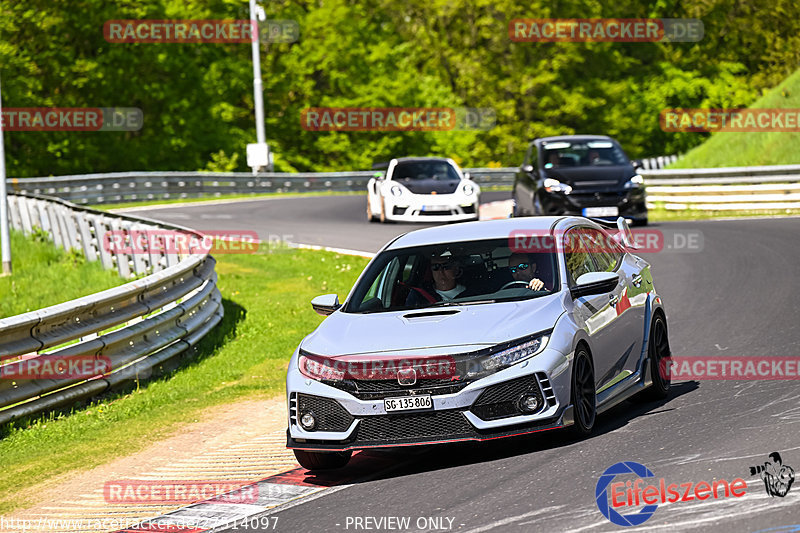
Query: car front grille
[(377, 389), (329, 414), (500, 401), (596, 199), (433, 425)]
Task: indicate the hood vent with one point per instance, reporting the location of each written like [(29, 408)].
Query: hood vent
[(427, 314)]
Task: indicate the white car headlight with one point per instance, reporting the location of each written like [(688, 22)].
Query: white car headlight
[(468, 189), (634, 182), (396, 190), (509, 356), (551, 185)]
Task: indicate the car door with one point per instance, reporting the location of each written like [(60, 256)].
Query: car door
[(525, 183), (608, 256), (596, 314)]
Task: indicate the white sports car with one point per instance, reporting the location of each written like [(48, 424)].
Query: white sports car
[(422, 189)]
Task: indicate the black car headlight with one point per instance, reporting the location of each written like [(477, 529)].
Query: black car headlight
[(507, 356), (635, 182)]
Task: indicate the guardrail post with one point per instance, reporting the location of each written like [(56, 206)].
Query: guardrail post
[(25, 205)]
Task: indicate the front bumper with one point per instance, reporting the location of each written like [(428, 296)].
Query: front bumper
[(630, 202), (433, 208), (479, 411)]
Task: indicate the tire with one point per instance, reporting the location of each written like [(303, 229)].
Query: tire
[(583, 394), (383, 218), (322, 460), (370, 216), (657, 353)]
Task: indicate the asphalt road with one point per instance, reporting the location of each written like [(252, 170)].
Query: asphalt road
[(738, 295)]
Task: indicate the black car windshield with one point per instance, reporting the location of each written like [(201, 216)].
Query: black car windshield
[(453, 274), (424, 170), (582, 154)]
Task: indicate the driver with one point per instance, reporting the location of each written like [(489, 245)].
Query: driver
[(446, 271), (524, 267)]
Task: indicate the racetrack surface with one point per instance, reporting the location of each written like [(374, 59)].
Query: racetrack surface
[(738, 296)]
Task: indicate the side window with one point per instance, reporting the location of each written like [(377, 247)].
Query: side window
[(602, 248), (579, 260)]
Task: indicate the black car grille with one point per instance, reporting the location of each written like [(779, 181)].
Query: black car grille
[(596, 199), (367, 389), (329, 414), (389, 428), (500, 401)]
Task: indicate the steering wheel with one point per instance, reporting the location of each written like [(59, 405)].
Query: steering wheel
[(512, 283)]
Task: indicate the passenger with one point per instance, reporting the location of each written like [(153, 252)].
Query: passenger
[(530, 268)]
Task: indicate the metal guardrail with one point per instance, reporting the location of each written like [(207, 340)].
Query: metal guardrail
[(725, 189), (133, 327), (676, 189)]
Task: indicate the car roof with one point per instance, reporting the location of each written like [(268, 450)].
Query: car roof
[(476, 231), (426, 158), (574, 138)]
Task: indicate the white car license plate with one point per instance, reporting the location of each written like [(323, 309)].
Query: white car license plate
[(408, 403), (435, 208), (600, 211)]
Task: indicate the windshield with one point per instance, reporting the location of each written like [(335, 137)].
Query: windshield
[(424, 170), (582, 154), (452, 274)]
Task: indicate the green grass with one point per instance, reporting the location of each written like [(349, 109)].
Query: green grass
[(267, 312), (43, 275), (171, 201), (733, 149), (664, 215)]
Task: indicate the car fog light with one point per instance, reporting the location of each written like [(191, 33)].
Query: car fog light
[(308, 421), (528, 403)]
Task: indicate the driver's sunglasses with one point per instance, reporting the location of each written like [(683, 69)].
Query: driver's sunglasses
[(521, 266), (442, 266)]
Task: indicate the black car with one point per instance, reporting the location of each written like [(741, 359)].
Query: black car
[(587, 175)]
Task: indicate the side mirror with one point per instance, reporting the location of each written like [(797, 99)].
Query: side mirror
[(625, 232), (326, 304), (594, 283), (379, 175), (527, 168), (467, 176), (637, 164)]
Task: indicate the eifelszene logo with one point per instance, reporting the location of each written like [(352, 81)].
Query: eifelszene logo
[(629, 494), (777, 477)]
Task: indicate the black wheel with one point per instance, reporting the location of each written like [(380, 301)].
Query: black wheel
[(658, 354), (583, 394), (322, 460)]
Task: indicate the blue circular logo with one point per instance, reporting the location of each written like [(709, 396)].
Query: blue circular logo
[(601, 494)]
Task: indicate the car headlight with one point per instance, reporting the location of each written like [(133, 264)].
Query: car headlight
[(396, 190), (551, 185), (319, 368), (508, 356), (634, 182), (468, 189)]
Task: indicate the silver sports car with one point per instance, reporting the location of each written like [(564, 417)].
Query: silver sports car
[(478, 331)]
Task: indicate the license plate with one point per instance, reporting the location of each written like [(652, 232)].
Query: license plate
[(435, 208), (600, 211), (408, 403)]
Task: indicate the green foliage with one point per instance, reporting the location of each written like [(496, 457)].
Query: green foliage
[(197, 99), (43, 275), (733, 149)]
